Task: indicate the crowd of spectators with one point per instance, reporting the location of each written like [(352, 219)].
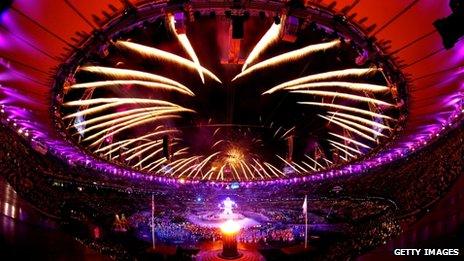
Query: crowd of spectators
[(375, 204)]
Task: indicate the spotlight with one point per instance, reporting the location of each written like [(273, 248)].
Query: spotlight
[(4, 5), (276, 19), (450, 28)]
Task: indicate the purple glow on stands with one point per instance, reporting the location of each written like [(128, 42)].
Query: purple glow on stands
[(26, 121)]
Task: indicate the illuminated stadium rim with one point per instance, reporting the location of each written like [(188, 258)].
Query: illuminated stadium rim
[(116, 23)]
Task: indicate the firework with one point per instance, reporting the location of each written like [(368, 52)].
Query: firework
[(323, 76), (345, 146), (360, 119), (350, 140), (270, 37), (154, 53), (346, 96), (154, 85), (117, 73), (347, 108), (348, 128), (288, 57)]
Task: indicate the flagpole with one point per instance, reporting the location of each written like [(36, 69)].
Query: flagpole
[(306, 223), (153, 221)]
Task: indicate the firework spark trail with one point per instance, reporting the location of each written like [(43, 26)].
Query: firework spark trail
[(208, 174), (124, 119), (269, 38), (350, 140), (275, 133), (347, 108), (274, 170), (343, 150), (156, 115), (151, 155), (346, 96), (203, 163), (162, 160), (180, 167), (326, 160), (322, 76), (184, 41), (262, 168), (158, 54), (93, 110), (130, 141), (315, 161), (345, 146), (288, 163), (289, 56), (155, 164), (347, 85), (110, 103), (123, 124), (216, 131), (303, 169), (248, 168), (348, 128), (138, 120), (257, 171), (236, 173), (360, 119), (359, 126), (118, 100), (117, 73), (189, 168), (117, 115), (153, 85), (278, 170), (137, 123), (217, 143), (287, 132), (191, 52), (221, 172), (111, 145), (309, 166), (173, 165), (141, 146), (243, 169), (117, 148), (270, 169), (153, 145)]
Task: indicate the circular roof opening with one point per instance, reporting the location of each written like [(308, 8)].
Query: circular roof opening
[(285, 96)]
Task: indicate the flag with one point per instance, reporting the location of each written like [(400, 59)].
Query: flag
[(305, 205)]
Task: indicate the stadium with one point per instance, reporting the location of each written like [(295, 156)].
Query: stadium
[(231, 130)]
